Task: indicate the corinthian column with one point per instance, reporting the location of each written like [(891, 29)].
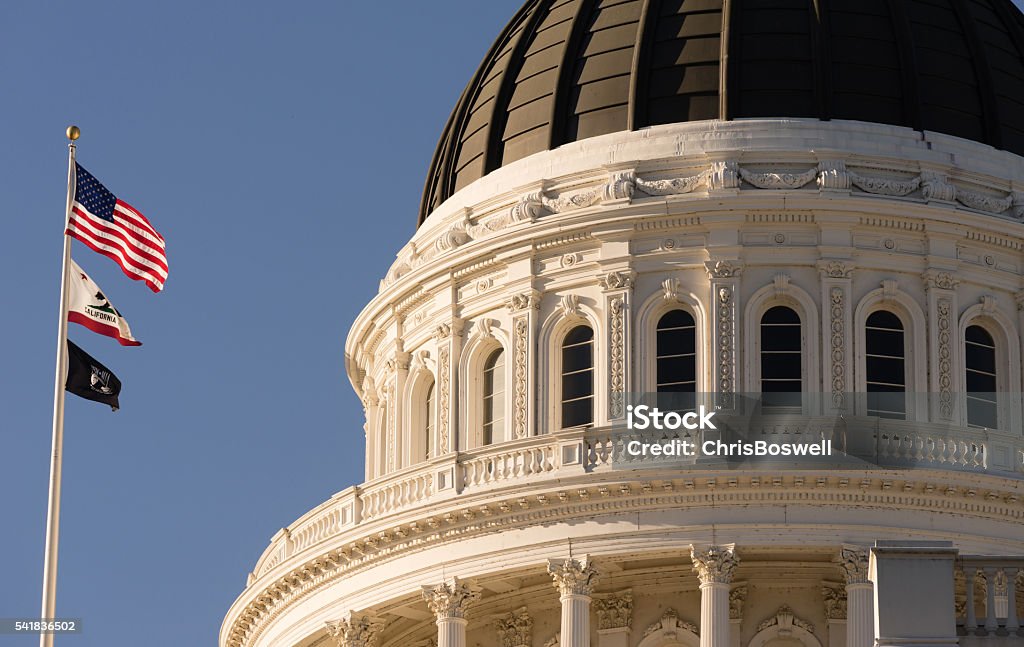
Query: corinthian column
[(355, 630), (860, 620), (575, 580), (714, 566), (448, 602)]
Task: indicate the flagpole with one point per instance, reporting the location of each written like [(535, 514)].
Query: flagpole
[(49, 607)]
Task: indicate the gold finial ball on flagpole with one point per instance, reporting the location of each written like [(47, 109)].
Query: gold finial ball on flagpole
[(74, 133)]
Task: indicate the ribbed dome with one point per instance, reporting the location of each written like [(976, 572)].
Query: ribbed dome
[(565, 70)]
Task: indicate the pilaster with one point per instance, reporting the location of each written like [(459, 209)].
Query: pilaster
[(614, 619), (837, 337), (617, 288), (833, 595), (737, 597), (724, 277), (515, 629), (524, 308), (448, 337), (943, 346)]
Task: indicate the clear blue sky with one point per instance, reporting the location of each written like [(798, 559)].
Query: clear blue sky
[(281, 149)]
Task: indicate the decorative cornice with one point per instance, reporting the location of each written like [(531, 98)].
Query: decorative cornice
[(771, 180), (451, 599), (714, 564), (918, 493), (853, 560), (573, 577)]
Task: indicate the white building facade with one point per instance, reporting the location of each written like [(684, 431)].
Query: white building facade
[(866, 274)]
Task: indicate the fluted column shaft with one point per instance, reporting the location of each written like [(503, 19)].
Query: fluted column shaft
[(860, 600), (451, 632), (715, 566), (575, 580), (575, 620)]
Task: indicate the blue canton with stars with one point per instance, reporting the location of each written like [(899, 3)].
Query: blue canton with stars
[(92, 195)]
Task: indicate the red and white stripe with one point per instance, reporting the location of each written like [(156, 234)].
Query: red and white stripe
[(130, 241), (102, 328)]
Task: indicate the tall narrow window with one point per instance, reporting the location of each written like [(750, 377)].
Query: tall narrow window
[(885, 367), (980, 360), (578, 377), (676, 360), (494, 397), (781, 360), (430, 413)]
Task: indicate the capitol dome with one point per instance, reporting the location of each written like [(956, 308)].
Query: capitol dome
[(562, 71), (801, 225)]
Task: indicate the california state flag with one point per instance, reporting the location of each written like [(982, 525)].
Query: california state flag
[(88, 306)]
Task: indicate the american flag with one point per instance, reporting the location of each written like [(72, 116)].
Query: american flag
[(115, 229)]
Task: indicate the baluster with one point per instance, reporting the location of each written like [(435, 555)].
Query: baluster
[(971, 623), (1012, 624), (991, 622)]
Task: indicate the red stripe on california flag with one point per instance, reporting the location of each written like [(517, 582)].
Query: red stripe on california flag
[(132, 213), (103, 329), (142, 255), (115, 254)]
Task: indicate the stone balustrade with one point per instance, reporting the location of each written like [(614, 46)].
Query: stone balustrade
[(990, 601), (871, 442)]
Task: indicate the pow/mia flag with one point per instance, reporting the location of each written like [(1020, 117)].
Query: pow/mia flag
[(91, 380)]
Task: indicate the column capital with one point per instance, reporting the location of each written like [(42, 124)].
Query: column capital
[(451, 599), (355, 630), (737, 596), (515, 629), (714, 564), (854, 562), (574, 577)]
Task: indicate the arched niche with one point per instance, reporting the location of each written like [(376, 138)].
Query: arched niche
[(670, 631), (784, 630)]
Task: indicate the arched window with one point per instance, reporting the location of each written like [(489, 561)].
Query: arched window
[(781, 360), (676, 360), (980, 362), (578, 377), (494, 397), (430, 415), (885, 369)]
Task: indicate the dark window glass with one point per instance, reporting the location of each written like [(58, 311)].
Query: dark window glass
[(676, 353), (578, 377), (428, 428), (494, 396), (980, 360), (781, 358), (885, 366)]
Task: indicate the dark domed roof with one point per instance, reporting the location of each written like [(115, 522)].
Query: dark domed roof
[(565, 70)]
